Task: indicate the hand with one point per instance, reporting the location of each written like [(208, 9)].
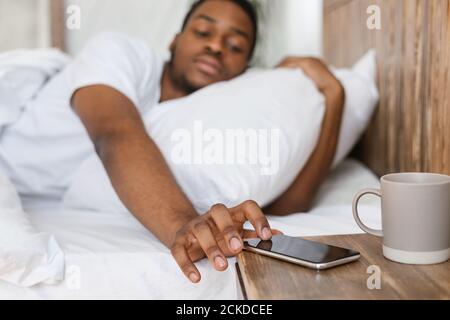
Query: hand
[(316, 70), (218, 234)]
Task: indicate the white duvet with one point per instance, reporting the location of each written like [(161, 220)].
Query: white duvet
[(111, 256)]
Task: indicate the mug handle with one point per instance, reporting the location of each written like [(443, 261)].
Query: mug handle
[(378, 233)]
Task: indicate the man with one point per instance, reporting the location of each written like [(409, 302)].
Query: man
[(116, 79)]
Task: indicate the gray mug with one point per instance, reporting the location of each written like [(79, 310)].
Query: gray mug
[(415, 214)]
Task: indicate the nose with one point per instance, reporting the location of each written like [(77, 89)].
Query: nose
[(215, 46)]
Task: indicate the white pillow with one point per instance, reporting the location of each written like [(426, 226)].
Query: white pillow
[(27, 257), (360, 102), (279, 104), (276, 99)]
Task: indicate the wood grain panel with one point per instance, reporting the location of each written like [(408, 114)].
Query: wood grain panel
[(410, 131), (437, 97), (57, 11), (408, 146)]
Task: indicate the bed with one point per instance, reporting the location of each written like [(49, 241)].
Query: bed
[(112, 256)]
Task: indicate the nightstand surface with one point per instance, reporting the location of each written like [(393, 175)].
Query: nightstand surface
[(264, 278)]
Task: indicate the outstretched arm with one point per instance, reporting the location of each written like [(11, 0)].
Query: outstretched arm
[(144, 183), (134, 164), (300, 195)]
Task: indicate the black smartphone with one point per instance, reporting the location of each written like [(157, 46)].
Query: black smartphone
[(306, 253)]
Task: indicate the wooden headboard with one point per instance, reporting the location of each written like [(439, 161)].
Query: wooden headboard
[(411, 129)]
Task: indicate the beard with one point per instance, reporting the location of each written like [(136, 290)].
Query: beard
[(180, 80)]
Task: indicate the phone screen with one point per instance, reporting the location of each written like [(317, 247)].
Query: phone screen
[(301, 249)]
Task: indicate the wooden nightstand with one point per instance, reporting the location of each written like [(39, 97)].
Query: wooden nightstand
[(264, 278)]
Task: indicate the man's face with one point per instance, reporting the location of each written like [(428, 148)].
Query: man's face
[(214, 46)]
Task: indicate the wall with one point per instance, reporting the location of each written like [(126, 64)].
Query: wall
[(292, 27), (24, 24), (154, 21)]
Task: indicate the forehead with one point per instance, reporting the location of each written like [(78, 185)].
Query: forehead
[(225, 13)]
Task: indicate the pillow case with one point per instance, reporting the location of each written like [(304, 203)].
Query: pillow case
[(27, 257), (361, 98), (280, 110), (231, 141)]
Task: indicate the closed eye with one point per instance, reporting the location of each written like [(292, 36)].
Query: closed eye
[(235, 48), (201, 34)]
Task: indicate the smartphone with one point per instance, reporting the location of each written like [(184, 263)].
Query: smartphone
[(306, 253)]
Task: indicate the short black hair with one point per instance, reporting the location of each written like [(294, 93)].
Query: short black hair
[(245, 5)]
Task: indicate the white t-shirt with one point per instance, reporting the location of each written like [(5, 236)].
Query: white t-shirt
[(43, 149)]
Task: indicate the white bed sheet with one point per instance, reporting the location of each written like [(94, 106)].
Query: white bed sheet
[(112, 256)]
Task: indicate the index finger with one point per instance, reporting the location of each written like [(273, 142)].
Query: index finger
[(250, 210)]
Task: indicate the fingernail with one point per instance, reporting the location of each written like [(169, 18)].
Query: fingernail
[(193, 276), (266, 233), (220, 262), (235, 244)]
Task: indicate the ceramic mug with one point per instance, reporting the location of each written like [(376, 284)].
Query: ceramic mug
[(415, 212)]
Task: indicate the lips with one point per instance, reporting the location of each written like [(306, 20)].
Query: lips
[(208, 65)]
